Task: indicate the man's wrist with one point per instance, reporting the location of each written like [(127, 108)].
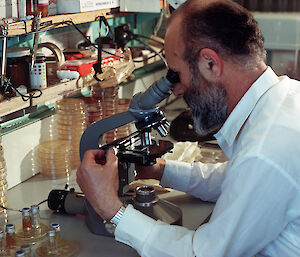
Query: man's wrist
[(111, 211)]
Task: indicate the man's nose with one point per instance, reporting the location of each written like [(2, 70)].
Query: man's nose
[(178, 89)]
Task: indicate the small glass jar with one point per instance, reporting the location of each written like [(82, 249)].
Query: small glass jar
[(18, 59)]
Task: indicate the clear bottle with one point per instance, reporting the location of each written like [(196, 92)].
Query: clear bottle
[(10, 236), (56, 227), (35, 217), (26, 221), (52, 242)]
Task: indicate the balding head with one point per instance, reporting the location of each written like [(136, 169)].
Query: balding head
[(221, 25)]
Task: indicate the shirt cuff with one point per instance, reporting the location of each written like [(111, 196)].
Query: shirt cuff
[(177, 175), (134, 228)]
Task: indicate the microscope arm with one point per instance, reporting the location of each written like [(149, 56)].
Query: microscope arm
[(91, 136)]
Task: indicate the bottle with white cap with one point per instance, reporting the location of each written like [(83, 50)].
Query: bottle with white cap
[(26, 220), (10, 236), (56, 227)]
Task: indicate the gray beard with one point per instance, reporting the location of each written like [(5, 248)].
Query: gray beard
[(208, 107)]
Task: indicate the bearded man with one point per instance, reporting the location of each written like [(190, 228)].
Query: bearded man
[(217, 48)]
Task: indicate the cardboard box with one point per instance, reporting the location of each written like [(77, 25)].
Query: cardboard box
[(8, 9), (76, 6)]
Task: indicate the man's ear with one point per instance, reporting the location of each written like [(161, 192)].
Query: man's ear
[(210, 64)]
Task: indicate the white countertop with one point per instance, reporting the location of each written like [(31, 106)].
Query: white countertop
[(74, 228)]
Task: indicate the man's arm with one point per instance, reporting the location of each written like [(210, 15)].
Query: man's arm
[(199, 179), (243, 222)]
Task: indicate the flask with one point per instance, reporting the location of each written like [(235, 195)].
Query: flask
[(43, 7)]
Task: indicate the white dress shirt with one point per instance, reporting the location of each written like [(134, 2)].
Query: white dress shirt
[(257, 192)]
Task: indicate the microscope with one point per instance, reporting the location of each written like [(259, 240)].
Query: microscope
[(137, 148)]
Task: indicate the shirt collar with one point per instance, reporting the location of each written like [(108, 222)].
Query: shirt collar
[(233, 124)]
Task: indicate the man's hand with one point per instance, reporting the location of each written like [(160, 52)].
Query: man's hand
[(151, 172), (100, 182)]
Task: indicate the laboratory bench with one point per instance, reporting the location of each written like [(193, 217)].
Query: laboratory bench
[(73, 228)]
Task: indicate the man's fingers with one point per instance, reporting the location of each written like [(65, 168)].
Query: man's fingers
[(110, 156), (92, 156)]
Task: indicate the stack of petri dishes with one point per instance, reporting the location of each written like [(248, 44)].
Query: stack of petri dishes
[(3, 181), (123, 104), (97, 91), (109, 106), (54, 158), (94, 109), (71, 123)]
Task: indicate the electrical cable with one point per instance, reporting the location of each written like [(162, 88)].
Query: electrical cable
[(150, 38), (152, 49)]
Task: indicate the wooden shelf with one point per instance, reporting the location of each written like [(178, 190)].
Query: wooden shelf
[(56, 92), (20, 28)]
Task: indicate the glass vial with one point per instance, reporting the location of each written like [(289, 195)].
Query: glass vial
[(27, 250), (26, 220), (2, 243), (35, 217), (52, 242), (56, 227), (43, 7), (10, 236), (20, 253)]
